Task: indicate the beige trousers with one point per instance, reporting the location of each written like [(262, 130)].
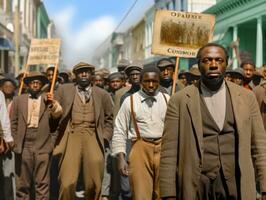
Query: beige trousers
[(144, 160), (82, 150)]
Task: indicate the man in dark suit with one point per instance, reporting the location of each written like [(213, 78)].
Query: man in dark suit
[(213, 131), (31, 116), (84, 129), (167, 68)]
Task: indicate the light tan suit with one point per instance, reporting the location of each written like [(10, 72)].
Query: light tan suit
[(81, 148)]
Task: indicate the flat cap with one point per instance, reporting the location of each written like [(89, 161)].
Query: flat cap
[(164, 62), (123, 63), (83, 65), (115, 75), (35, 75), (137, 65)]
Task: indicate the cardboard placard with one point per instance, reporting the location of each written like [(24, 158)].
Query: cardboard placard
[(181, 34), (44, 51)]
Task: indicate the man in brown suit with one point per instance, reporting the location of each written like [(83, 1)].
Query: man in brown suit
[(84, 129), (31, 115), (212, 132), (260, 93)]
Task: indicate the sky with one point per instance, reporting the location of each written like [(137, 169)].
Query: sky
[(84, 24)]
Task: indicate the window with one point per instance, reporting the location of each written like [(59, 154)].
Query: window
[(9, 6), (182, 5)]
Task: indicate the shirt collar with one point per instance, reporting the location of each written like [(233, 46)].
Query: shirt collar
[(84, 89), (205, 90), (144, 96)]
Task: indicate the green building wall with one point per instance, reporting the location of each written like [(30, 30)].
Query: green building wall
[(42, 22)]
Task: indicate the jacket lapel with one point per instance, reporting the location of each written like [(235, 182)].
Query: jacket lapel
[(42, 107), (193, 105), (24, 102), (239, 107), (96, 101), (70, 99)]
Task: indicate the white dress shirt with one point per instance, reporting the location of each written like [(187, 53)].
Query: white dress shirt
[(4, 119), (150, 119)]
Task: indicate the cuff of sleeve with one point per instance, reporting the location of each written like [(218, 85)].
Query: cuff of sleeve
[(8, 138)]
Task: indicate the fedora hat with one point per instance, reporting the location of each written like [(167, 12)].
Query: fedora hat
[(35, 75)]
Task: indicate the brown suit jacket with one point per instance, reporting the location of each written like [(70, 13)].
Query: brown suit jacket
[(19, 116), (103, 110), (182, 143), (260, 92)]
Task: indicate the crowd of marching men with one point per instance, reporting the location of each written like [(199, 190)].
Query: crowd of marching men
[(98, 134)]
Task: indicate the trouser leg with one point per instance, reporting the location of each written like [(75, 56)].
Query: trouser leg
[(42, 176), (9, 176), (24, 167), (70, 167), (107, 173), (93, 166), (141, 172)]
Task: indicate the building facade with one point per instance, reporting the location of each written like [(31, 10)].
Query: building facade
[(20, 21), (241, 27)]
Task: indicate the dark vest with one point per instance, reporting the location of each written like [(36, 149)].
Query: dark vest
[(83, 117), (219, 146)]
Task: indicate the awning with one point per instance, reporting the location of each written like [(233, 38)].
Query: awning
[(6, 44)]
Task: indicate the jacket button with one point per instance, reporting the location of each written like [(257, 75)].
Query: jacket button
[(200, 165)]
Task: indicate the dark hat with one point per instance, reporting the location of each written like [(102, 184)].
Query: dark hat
[(239, 71), (67, 73), (164, 62), (51, 67), (229, 71), (20, 74), (9, 77), (137, 65), (35, 75), (123, 63), (182, 72), (194, 71), (115, 75), (83, 65)]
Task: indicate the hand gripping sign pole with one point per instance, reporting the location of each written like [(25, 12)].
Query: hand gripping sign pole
[(180, 34), (43, 51), (22, 79)]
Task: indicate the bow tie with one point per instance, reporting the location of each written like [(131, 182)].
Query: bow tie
[(149, 100)]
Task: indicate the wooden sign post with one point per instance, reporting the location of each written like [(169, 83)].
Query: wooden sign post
[(181, 34), (43, 51)]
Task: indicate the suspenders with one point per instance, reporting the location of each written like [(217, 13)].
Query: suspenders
[(134, 116)]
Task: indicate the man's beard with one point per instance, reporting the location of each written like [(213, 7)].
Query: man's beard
[(34, 93), (213, 83), (247, 80), (83, 82), (166, 82), (9, 96)]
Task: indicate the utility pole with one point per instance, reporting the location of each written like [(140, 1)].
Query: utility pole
[(17, 37)]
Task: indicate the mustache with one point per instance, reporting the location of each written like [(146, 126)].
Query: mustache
[(208, 72)]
